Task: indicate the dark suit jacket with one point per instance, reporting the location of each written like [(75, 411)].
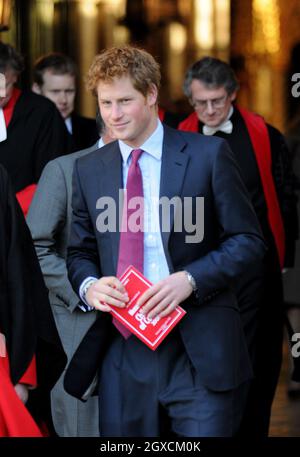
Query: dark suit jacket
[(192, 165), (84, 132)]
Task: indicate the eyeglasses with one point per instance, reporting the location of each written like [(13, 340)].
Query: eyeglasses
[(215, 103)]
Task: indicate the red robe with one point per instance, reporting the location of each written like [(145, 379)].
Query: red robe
[(15, 420)]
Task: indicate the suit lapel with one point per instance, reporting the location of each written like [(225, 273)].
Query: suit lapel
[(111, 182), (173, 168)]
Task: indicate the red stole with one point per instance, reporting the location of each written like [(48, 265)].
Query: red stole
[(30, 375), (260, 140), (15, 419), (25, 196), (10, 106), (189, 124)]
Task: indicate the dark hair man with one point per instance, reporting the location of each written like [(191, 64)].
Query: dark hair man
[(261, 153), (54, 76)]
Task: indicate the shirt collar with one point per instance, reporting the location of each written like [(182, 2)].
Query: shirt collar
[(68, 122), (153, 144), (230, 113), (100, 143)]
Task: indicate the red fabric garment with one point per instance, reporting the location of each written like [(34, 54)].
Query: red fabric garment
[(161, 113), (25, 196), (9, 107), (260, 140), (29, 377), (15, 420), (190, 124)]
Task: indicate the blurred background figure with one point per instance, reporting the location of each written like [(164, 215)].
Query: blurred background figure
[(261, 152), (292, 275), (31, 355), (54, 77), (49, 220), (32, 131)]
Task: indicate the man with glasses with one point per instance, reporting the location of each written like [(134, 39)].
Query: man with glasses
[(261, 153)]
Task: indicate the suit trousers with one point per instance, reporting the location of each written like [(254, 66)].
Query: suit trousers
[(138, 387)]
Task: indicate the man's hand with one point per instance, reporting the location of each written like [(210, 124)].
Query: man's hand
[(22, 392), (163, 297), (107, 291)]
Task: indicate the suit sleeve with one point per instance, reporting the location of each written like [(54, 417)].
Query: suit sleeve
[(82, 259), (46, 219), (241, 245)]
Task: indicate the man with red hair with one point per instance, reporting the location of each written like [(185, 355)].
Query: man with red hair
[(199, 375)]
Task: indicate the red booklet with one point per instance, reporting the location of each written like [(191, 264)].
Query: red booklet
[(151, 331)]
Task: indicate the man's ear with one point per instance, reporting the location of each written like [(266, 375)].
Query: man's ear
[(233, 96), (152, 95), (36, 88)]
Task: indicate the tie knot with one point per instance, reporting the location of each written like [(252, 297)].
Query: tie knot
[(135, 155)]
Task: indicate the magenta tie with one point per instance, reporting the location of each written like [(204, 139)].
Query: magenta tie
[(131, 247)]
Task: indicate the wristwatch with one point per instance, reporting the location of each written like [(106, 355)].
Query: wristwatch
[(191, 280)]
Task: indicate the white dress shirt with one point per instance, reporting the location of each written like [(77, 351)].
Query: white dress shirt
[(155, 262)]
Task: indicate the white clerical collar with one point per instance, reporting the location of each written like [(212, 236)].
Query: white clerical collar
[(230, 113), (3, 131)]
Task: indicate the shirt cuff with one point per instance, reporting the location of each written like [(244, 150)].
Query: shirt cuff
[(85, 308), (82, 292)]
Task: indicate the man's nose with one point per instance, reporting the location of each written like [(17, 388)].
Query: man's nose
[(209, 107), (116, 111), (63, 97)]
